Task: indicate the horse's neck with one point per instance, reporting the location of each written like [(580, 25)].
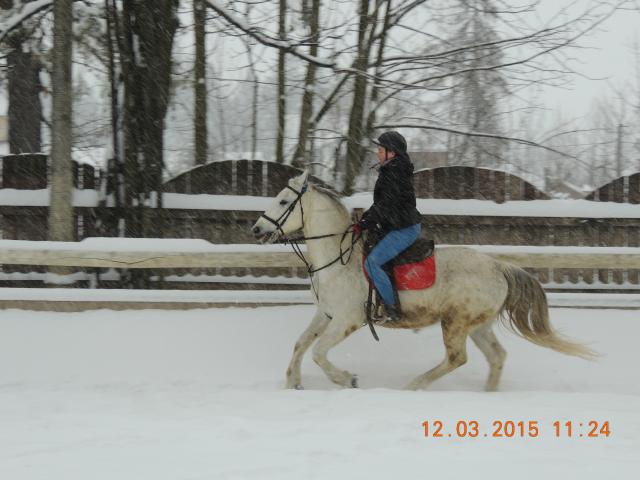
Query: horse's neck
[(323, 216)]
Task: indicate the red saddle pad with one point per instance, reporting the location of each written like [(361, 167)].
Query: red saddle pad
[(412, 276)]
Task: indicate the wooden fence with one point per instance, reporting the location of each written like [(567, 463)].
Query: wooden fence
[(255, 178), (110, 253)]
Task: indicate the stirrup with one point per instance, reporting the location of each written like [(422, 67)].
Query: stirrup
[(374, 314)]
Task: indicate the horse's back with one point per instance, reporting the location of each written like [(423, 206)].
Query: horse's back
[(467, 283)]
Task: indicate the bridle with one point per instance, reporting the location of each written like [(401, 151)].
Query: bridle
[(294, 242), (281, 220)]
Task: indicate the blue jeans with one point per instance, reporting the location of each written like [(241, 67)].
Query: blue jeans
[(389, 247)]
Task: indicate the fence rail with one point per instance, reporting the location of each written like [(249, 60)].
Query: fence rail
[(132, 253), (182, 254)]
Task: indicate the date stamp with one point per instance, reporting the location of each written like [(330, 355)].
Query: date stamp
[(516, 429)]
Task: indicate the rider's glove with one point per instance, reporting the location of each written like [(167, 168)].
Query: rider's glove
[(357, 228)]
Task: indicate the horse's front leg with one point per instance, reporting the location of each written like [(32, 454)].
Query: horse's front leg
[(340, 328), (315, 328)]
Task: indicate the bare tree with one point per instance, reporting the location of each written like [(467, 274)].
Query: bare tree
[(282, 104), (306, 112), (23, 76), (255, 93), (476, 94), (148, 30), (396, 68), (356, 130), (200, 84)]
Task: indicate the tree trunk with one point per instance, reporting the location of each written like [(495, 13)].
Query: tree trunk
[(300, 159), (144, 32), (200, 85), (281, 84), (24, 87), (356, 117), (61, 219), (375, 91), (149, 28)]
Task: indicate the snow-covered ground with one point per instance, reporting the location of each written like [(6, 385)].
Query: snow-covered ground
[(198, 395)]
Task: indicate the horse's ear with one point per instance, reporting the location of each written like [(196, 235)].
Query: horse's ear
[(301, 179)]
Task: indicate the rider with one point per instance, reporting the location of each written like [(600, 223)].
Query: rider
[(393, 215)]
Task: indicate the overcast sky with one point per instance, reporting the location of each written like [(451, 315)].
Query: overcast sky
[(608, 60)]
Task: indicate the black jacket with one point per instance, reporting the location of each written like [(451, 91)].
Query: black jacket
[(394, 199)]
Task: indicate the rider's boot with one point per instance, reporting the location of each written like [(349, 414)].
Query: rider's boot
[(391, 314)]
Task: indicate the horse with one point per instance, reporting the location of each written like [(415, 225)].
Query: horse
[(471, 291)]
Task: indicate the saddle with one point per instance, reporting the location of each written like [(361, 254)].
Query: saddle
[(413, 269)]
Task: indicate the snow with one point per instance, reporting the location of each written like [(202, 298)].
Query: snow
[(426, 206), (611, 300), (198, 395), (15, 16), (515, 208), (216, 202), (158, 296), (10, 197), (564, 299), (145, 245)]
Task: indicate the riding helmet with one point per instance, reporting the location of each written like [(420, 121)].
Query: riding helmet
[(392, 141)]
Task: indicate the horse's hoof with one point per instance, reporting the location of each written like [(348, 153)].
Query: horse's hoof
[(294, 386), (354, 381)]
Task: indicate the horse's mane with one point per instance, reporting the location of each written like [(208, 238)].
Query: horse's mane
[(333, 195)]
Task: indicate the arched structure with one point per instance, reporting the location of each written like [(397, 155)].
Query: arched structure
[(473, 183), (621, 190), (235, 177)]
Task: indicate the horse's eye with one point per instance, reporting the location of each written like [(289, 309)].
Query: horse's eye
[(283, 202)]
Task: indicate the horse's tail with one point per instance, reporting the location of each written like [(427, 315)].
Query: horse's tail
[(525, 311)]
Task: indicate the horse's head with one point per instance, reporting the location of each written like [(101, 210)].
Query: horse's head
[(284, 215)]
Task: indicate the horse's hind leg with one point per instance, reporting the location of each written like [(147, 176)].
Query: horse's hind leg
[(455, 338), (333, 335), (486, 341), (315, 328)]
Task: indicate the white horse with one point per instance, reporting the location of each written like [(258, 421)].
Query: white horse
[(471, 291)]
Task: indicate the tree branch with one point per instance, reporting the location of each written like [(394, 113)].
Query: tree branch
[(438, 128)]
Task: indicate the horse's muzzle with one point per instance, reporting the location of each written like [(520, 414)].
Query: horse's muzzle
[(263, 236)]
